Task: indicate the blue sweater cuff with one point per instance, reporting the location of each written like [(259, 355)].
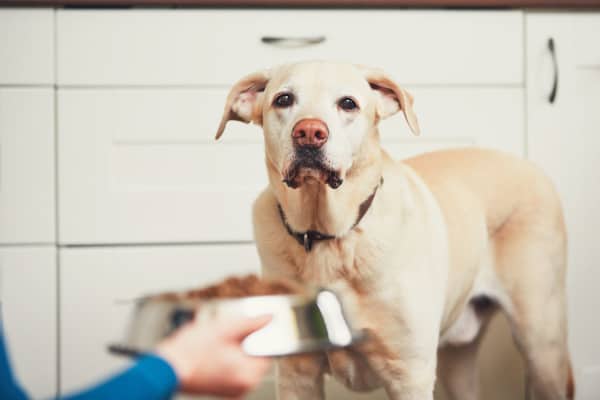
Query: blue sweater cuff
[(157, 373), (150, 378)]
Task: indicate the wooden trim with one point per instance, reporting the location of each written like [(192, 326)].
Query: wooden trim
[(318, 3)]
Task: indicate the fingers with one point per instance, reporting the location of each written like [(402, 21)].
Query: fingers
[(238, 330), (261, 365)]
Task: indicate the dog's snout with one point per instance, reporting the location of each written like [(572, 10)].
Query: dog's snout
[(310, 132)]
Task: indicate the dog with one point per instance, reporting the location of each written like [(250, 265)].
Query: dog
[(423, 250)]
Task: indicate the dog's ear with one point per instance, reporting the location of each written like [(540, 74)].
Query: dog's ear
[(244, 99), (391, 97)]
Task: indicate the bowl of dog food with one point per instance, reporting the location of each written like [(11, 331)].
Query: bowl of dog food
[(303, 320)]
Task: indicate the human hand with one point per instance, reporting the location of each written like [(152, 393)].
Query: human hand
[(208, 359)]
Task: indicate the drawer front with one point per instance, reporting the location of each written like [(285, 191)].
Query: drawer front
[(26, 46), (459, 117), (93, 282), (27, 166), (142, 165), (217, 47), (28, 314)]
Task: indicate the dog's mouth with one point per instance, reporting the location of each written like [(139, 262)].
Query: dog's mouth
[(309, 166)]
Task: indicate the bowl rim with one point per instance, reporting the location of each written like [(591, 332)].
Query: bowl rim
[(292, 299)]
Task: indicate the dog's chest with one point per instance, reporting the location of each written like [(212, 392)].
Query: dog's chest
[(350, 259), (352, 270), (323, 265)]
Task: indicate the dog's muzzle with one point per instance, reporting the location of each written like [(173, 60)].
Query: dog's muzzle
[(309, 163)]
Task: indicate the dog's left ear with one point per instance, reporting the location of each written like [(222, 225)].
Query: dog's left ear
[(244, 100), (391, 97)]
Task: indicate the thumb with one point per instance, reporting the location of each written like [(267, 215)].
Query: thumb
[(240, 329)]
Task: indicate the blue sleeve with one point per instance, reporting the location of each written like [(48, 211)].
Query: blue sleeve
[(150, 378), (9, 389)]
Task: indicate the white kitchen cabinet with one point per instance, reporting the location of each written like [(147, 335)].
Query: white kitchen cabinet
[(564, 138), (142, 165), (26, 46), (28, 311), (98, 284), (27, 213), (216, 47)]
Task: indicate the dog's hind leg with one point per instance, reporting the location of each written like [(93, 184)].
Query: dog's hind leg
[(540, 335), (457, 370), (530, 264), (545, 352), (457, 361)]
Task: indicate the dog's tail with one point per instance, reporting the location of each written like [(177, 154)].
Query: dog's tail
[(570, 382)]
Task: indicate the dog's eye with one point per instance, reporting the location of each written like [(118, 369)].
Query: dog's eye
[(347, 104), (284, 100)]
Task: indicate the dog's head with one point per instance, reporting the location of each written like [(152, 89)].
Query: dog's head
[(317, 116)]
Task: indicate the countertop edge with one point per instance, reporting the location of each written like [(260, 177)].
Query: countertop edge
[(461, 4)]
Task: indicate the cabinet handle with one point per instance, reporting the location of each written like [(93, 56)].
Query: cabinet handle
[(552, 49), (281, 41)]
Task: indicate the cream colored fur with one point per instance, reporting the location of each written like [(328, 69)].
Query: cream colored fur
[(444, 228)]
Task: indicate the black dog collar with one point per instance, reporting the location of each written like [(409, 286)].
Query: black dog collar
[(307, 238)]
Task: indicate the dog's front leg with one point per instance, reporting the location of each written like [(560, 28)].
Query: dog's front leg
[(301, 377), (417, 384), (407, 370), (407, 379)]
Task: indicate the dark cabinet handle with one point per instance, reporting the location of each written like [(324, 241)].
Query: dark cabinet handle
[(282, 41), (552, 49)]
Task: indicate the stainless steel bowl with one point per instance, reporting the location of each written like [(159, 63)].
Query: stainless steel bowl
[(300, 324)]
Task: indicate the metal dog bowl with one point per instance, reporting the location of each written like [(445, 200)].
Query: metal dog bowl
[(300, 324)]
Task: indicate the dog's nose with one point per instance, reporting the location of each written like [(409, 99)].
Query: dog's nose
[(310, 132)]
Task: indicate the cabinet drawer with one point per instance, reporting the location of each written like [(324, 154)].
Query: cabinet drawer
[(217, 47), (142, 165), (28, 314), (93, 281), (26, 46), (458, 117), (27, 166)]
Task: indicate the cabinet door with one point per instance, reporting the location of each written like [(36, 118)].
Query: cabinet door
[(564, 138), (28, 308), (26, 165), (98, 284), (218, 47), (26, 46), (142, 165)]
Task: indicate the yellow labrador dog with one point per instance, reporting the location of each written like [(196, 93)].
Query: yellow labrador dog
[(423, 250)]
